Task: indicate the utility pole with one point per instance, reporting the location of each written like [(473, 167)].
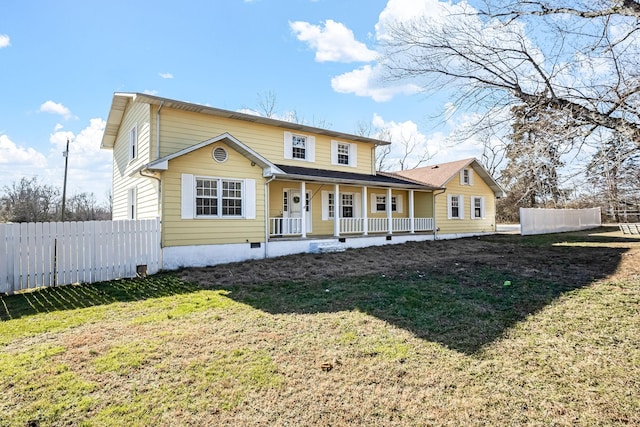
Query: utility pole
[(64, 186)]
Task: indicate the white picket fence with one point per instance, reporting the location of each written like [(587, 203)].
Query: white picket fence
[(34, 255), (543, 221)]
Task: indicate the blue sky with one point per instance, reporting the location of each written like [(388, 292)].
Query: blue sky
[(61, 62)]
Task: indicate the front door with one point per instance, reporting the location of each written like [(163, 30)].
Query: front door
[(293, 206)]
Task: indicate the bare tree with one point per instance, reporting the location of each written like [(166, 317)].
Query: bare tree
[(570, 58), (29, 201), (267, 102)]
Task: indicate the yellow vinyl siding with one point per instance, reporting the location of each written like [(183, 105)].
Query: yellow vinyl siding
[(181, 129), (200, 231), (147, 199), (479, 188)]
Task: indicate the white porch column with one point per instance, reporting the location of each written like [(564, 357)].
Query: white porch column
[(389, 212), (365, 211), (303, 214), (336, 210), (412, 226)]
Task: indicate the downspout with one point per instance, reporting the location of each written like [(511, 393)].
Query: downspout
[(266, 216), (158, 130), (435, 227), (159, 205)]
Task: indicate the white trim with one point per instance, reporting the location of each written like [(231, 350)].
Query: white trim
[(460, 199)]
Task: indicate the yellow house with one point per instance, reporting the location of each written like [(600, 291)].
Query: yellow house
[(467, 204), (229, 186)]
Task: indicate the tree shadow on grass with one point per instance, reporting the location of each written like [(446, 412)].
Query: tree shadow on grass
[(462, 302), (72, 297)]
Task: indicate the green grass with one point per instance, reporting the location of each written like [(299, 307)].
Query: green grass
[(410, 347)]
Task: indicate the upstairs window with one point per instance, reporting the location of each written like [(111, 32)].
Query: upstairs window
[(299, 147), (343, 153), (466, 177), (133, 143)]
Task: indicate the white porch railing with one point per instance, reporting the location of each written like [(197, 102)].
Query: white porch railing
[(423, 224), (285, 226), (378, 225), (351, 225), (293, 226)]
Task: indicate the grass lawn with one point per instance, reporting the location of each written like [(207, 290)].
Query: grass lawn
[(503, 330)]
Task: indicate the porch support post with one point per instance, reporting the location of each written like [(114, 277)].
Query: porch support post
[(389, 212), (336, 210), (365, 211), (303, 214), (412, 225)]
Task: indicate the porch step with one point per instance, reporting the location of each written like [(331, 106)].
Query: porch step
[(319, 248)]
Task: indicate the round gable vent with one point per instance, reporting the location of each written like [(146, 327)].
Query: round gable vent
[(220, 154)]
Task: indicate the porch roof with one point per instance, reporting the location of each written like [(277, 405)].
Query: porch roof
[(298, 173)]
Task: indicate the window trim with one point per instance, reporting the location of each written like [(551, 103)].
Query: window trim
[(396, 201)]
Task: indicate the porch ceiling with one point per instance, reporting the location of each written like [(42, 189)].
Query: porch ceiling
[(298, 173)]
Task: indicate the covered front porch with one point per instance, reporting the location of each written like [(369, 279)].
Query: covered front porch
[(314, 206)]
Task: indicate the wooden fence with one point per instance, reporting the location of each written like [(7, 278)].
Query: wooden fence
[(34, 255)]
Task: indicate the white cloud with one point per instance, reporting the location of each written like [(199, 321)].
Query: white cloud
[(333, 42), (166, 75), (150, 92), (367, 81), (14, 156), (406, 136), (5, 41), (89, 166), (56, 108)]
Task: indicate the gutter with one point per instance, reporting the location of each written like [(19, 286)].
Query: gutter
[(435, 228), (157, 178), (158, 131), (266, 216), (354, 182)]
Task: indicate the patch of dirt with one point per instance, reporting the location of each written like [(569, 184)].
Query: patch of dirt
[(595, 255)]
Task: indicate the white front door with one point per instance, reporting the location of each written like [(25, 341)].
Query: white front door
[(293, 206)]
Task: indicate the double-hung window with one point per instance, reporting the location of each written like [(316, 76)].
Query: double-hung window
[(477, 207), (347, 205), (218, 197), (299, 147), (380, 204), (466, 176), (344, 154), (455, 207)]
